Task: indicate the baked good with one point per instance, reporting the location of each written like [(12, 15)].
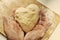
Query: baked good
[(27, 17)]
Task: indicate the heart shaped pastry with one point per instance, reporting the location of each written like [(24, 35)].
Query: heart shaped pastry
[(27, 17)]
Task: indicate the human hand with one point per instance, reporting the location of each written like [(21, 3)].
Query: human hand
[(12, 29)]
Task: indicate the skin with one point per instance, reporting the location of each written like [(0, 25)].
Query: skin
[(15, 32)]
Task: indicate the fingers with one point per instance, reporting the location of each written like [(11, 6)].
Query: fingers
[(34, 35), (43, 24), (5, 24), (42, 27), (12, 29), (43, 20)]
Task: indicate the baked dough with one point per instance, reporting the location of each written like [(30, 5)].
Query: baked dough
[(27, 17)]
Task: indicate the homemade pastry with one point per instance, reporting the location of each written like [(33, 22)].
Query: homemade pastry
[(27, 17)]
